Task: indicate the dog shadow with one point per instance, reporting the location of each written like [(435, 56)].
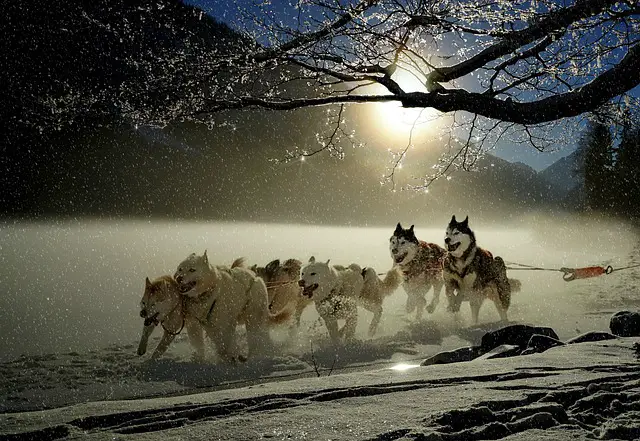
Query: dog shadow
[(323, 354), (194, 374)]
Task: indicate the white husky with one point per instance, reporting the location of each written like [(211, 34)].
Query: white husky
[(335, 293), (228, 296)]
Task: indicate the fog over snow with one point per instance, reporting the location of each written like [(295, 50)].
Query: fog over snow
[(77, 285), (69, 324)]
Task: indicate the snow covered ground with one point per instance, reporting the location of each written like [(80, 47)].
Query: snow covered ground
[(69, 326)]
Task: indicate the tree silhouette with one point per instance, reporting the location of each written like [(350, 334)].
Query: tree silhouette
[(627, 170), (499, 67), (598, 167)]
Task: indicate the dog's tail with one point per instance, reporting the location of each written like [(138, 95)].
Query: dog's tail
[(391, 281), (515, 284), (502, 282), (238, 263), (280, 317)]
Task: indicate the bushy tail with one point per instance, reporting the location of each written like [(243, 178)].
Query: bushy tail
[(238, 263), (515, 285), (280, 317), (391, 281), (502, 282)]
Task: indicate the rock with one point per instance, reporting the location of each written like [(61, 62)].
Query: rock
[(625, 324), (502, 351), (518, 335), (591, 336), (455, 356), (541, 343)]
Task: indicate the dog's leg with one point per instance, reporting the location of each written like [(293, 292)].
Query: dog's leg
[(437, 288), (454, 300), (144, 340), (501, 309), (348, 331), (332, 326), (196, 338), (258, 339), (166, 340), (475, 301), (301, 304), (421, 304), (411, 302), (223, 336), (376, 308)]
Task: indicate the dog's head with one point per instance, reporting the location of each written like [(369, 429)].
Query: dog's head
[(458, 237), (159, 298), (191, 271), (277, 272), (316, 279), (403, 245), (369, 275)]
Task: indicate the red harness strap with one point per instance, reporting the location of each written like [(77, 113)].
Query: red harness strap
[(584, 273)]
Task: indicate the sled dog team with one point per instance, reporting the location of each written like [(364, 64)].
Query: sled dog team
[(214, 299)]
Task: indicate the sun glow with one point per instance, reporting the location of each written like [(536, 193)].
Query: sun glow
[(396, 123)]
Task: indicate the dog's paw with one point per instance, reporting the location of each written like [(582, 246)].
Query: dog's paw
[(197, 357)]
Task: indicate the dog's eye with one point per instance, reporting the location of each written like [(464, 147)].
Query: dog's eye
[(180, 269), (312, 274), (192, 270)]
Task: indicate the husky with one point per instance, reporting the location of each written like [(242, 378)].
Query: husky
[(335, 293), (162, 304), (283, 289), (374, 291), (472, 273), (221, 298), (421, 264)]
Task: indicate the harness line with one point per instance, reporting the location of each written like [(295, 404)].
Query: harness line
[(180, 303), (570, 274)]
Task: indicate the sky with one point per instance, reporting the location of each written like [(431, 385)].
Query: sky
[(227, 11)]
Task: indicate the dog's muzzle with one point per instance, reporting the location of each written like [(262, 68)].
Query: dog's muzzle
[(184, 287), (307, 291), (399, 258), (451, 247)]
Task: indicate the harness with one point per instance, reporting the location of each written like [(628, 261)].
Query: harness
[(179, 303)]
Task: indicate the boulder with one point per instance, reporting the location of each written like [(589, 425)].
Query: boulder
[(540, 343), (455, 356), (625, 324), (502, 351), (591, 336), (518, 335)]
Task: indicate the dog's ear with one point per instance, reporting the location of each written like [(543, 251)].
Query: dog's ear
[(465, 222), (411, 229), (204, 257), (312, 259), (147, 283), (329, 260), (453, 219), (272, 266), (398, 229)]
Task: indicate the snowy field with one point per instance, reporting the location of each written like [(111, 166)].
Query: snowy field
[(69, 327)]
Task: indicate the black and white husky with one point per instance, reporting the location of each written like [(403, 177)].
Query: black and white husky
[(473, 274), (421, 265)]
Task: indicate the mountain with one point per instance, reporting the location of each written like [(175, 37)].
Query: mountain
[(565, 174)]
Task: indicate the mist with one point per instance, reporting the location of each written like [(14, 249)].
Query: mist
[(76, 285)]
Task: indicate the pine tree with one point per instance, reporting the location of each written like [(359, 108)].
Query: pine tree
[(627, 172), (598, 167)]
